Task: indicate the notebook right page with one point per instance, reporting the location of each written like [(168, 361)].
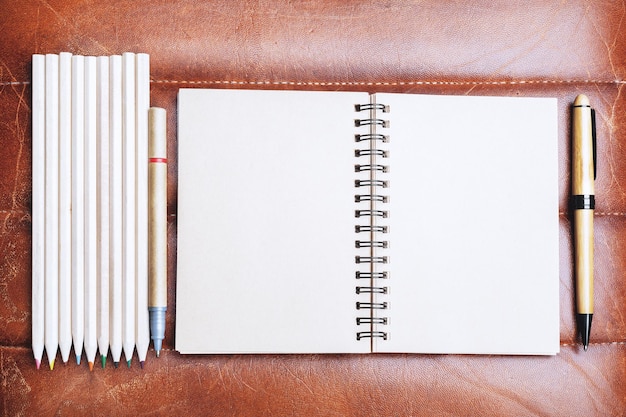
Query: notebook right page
[(473, 215)]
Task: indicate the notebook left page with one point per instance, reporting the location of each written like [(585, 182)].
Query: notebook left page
[(266, 222)]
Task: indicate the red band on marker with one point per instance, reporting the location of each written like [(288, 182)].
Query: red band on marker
[(161, 160)]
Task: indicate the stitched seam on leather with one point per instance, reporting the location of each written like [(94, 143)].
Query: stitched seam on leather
[(386, 83), (620, 343), (366, 83), (599, 213)]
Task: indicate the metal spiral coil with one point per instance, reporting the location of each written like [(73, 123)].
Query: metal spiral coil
[(362, 335), (371, 199)]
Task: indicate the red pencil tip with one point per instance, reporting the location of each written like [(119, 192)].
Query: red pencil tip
[(37, 363)]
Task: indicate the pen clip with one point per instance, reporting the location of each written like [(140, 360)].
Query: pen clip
[(593, 139)]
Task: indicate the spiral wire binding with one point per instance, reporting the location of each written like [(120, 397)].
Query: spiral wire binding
[(371, 136), (370, 211)]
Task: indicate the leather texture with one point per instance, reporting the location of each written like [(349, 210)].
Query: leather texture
[(530, 48)]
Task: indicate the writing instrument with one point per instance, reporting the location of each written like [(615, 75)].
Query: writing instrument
[(583, 204), (91, 211), (78, 204), (65, 205), (116, 225), (52, 209), (129, 200), (103, 206), (38, 210), (157, 232), (142, 326)]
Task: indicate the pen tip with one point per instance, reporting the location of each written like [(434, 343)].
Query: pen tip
[(584, 326), (91, 366), (158, 353), (37, 363)]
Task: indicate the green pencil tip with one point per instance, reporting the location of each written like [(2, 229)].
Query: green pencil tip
[(128, 363), (104, 361)]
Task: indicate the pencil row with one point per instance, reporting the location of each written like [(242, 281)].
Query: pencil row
[(90, 206)]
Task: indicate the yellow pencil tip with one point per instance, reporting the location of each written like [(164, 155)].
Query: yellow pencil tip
[(52, 365)]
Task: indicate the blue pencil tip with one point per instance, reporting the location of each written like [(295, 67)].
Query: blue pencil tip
[(77, 359)]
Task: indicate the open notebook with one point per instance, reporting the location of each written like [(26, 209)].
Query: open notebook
[(338, 222)]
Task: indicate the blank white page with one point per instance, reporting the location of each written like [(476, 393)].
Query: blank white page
[(266, 222), (473, 215)]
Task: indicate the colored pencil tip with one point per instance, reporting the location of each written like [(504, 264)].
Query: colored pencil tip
[(77, 359), (116, 364), (91, 366), (104, 361), (128, 363), (52, 364), (37, 363), (141, 363)]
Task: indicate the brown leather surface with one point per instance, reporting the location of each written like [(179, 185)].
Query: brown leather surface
[(531, 48)]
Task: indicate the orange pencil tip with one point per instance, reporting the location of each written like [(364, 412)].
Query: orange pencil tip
[(91, 366)]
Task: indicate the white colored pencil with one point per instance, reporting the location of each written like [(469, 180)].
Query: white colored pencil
[(52, 209), (38, 210), (91, 205), (116, 224), (78, 204), (129, 139), (103, 207), (65, 205), (142, 105)]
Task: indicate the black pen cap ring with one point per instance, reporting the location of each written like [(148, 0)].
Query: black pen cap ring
[(583, 202)]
